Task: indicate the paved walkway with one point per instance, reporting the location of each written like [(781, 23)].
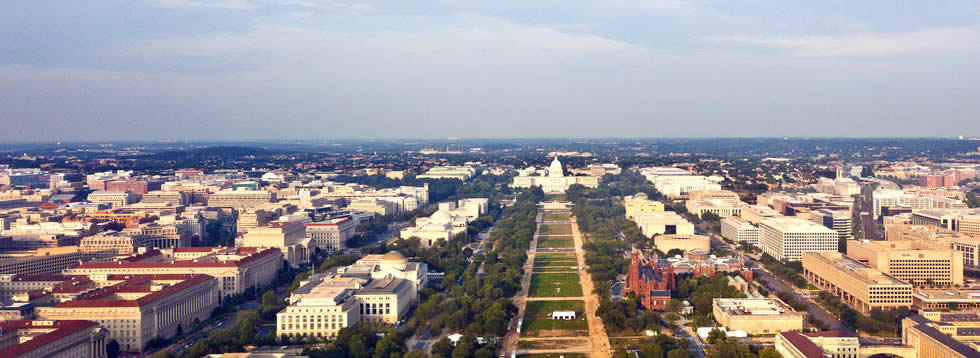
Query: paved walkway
[(520, 299)]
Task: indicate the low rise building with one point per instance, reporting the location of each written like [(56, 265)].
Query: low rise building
[(46, 261), (756, 213), (462, 173), (858, 285), (47, 338), (451, 219), (946, 299), (650, 280), (934, 339), (117, 242), (835, 344), (756, 316), (241, 198)]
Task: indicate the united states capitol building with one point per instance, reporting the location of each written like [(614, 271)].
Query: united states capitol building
[(551, 180)]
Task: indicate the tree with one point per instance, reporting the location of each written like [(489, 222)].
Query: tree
[(269, 298), (651, 351), (715, 335), (414, 354), (357, 348), (769, 353), (634, 323), (849, 317), (677, 353), (675, 305), (387, 347)]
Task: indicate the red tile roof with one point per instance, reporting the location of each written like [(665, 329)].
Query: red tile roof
[(95, 298), (61, 329), (832, 333), (803, 344)]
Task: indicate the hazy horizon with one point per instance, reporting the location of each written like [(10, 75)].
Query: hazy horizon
[(245, 70)]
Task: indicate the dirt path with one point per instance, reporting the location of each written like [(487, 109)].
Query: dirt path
[(597, 331)]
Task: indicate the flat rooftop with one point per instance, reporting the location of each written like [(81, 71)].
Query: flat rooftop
[(794, 224), (753, 307), (855, 269)]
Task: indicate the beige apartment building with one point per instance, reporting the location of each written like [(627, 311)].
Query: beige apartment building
[(380, 207), (714, 195), (116, 199), (858, 285), (756, 316), (236, 268), (916, 262), (44, 338), (141, 307)]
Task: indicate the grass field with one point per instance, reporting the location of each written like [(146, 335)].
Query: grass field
[(556, 241), (539, 308), (557, 216), (552, 260), (556, 229), (554, 285)]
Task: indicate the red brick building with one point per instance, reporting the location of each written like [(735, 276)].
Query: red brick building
[(650, 280)]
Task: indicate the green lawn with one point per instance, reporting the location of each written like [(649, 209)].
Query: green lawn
[(539, 308), (556, 229), (542, 261), (555, 285), (554, 242), (557, 216)]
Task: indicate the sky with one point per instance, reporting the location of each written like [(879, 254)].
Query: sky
[(309, 69)]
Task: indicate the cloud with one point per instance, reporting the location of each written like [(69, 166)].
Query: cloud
[(204, 4), (928, 41)]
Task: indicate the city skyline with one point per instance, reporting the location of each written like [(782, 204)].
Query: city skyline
[(239, 69)]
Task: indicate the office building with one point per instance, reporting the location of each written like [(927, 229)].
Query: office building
[(831, 344), (46, 338), (640, 203), (837, 220), (857, 284), (916, 262), (377, 289), (739, 231), (116, 199), (137, 308), (45, 261), (241, 198), (754, 214), (331, 235), (934, 339), (665, 222), (289, 237), (756, 316), (788, 238), (676, 182), (117, 242), (462, 173), (166, 197), (720, 207), (236, 268)]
